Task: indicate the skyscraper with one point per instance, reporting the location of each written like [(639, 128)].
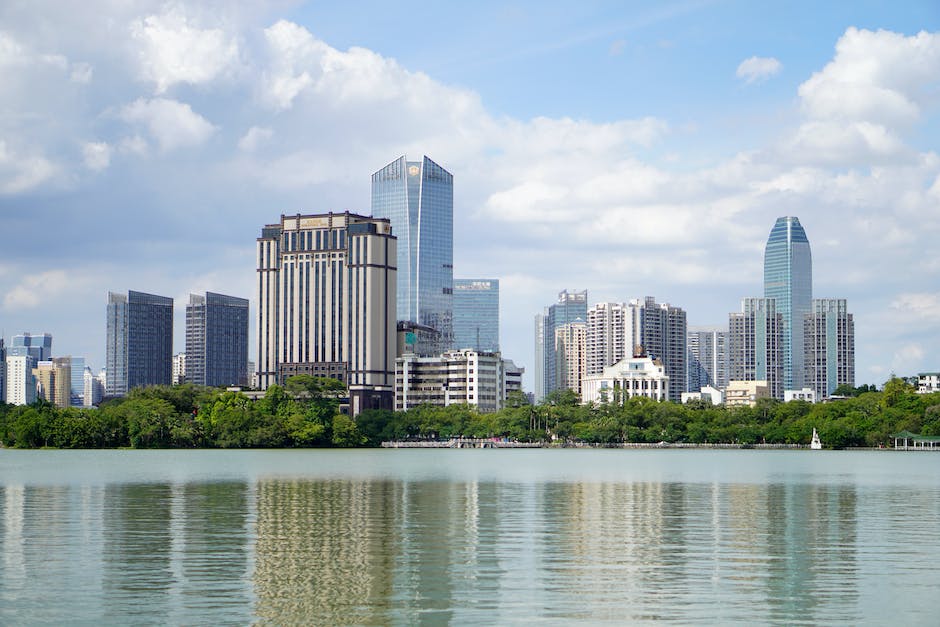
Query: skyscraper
[(570, 356), (660, 328), (3, 372), (609, 336), (571, 306), (829, 344), (38, 346), (788, 278), (140, 341), (326, 286), (216, 340), (707, 358), (755, 339), (476, 314), (417, 197)]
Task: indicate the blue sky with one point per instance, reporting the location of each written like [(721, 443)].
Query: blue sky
[(629, 149)]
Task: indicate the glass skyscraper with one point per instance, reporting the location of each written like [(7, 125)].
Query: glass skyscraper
[(417, 197), (217, 340), (38, 346), (476, 314), (788, 278), (140, 341)]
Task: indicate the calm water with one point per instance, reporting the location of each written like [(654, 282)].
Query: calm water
[(402, 537)]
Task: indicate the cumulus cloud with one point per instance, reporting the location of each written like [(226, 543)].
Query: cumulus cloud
[(35, 289), (255, 137), (920, 305), (758, 69), (21, 172), (172, 124), (97, 155), (173, 50)]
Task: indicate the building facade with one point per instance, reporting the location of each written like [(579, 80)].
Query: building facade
[(455, 377), (179, 368), (417, 197), (707, 359), (54, 381), (538, 369), (746, 393), (609, 335), (326, 293), (476, 314), (570, 306), (755, 339), (829, 346), (139, 341), (788, 278), (661, 330), (3, 372), (93, 389), (216, 340), (570, 356), (38, 346), (630, 377), (21, 384)]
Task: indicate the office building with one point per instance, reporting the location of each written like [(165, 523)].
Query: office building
[(456, 377), (476, 314), (707, 358), (513, 374), (539, 367), (77, 378), (755, 338), (788, 278), (54, 381), (661, 329), (21, 384), (179, 368), (417, 197), (93, 389), (38, 346), (571, 306), (829, 345), (3, 372), (140, 341), (638, 375), (326, 286), (570, 356), (609, 335), (216, 340)]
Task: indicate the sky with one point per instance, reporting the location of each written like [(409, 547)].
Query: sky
[(625, 148)]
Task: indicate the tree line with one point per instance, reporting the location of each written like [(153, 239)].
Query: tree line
[(305, 412)]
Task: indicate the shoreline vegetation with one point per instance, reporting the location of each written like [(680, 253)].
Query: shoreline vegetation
[(305, 413)]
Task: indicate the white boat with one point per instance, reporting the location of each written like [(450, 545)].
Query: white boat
[(815, 444)]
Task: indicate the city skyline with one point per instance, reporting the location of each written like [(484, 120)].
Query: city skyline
[(623, 150)]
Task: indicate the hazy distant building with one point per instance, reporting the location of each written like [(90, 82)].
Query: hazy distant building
[(476, 314), (38, 346), (216, 340), (707, 357), (788, 278), (455, 377), (755, 338), (93, 389), (3, 372), (539, 368), (77, 379), (326, 286), (417, 197), (20, 384), (630, 377), (570, 306), (660, 329), (829, 347), (570, 356), (179, 368), (139, 341)]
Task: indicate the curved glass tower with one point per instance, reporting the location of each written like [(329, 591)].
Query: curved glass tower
[(788, 277), (418, 198)]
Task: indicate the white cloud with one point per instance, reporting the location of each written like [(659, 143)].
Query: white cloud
[(172, 124), (20, 172), (255, 137), (173, 50), (919, 305), (97, 155), (36, 289), (81, 73), (758, 69)]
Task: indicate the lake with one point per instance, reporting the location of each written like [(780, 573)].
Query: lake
[(404, 537)]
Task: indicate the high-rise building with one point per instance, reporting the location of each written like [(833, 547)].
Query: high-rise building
[(788, 278), (476, 314), (570, 356), (179, 368), (78, 379), (755, 339), (417, 197), (216, 340), (661, 329), (326, 287), (538, 370), (3, 372), (707, 357), (21, 384), (54, 381), (455, 377), (571, 306), (38, 346), (609, 336), (93, 390), (829, 346), (140, 341)]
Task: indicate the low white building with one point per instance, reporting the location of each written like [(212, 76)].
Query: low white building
[(806, 394), (629, 377), (707, 393), (453, 378), (20, 382), (928, 382)]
